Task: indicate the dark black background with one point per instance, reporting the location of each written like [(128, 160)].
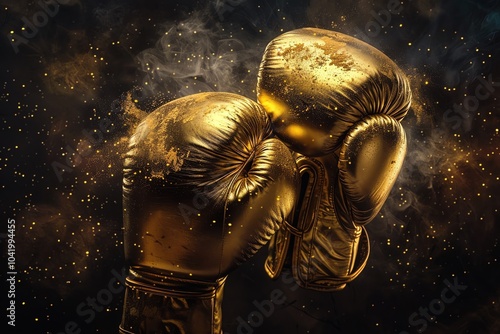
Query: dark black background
[(88, 65)]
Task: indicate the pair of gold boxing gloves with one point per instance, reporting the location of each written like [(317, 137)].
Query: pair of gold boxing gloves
[(210, 178)]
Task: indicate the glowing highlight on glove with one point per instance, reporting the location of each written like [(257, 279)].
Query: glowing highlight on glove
[(275, 108)]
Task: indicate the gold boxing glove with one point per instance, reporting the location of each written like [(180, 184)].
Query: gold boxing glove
[(337, 102), (204, 187)]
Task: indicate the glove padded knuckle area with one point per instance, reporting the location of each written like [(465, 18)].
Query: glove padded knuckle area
[(369, 163), (193, 166), (315, 84)]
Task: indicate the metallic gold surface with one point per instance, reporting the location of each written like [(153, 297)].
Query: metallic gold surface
[(369, 163), (187, 308), (326, 254), (205, 186), (316, 83), (337, 102)]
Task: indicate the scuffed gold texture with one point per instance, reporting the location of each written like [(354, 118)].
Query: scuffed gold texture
[(205, 186), (337, 102), (315, 84)]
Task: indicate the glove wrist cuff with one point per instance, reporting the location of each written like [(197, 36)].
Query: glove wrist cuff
[(158, 304), (162, 285)]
